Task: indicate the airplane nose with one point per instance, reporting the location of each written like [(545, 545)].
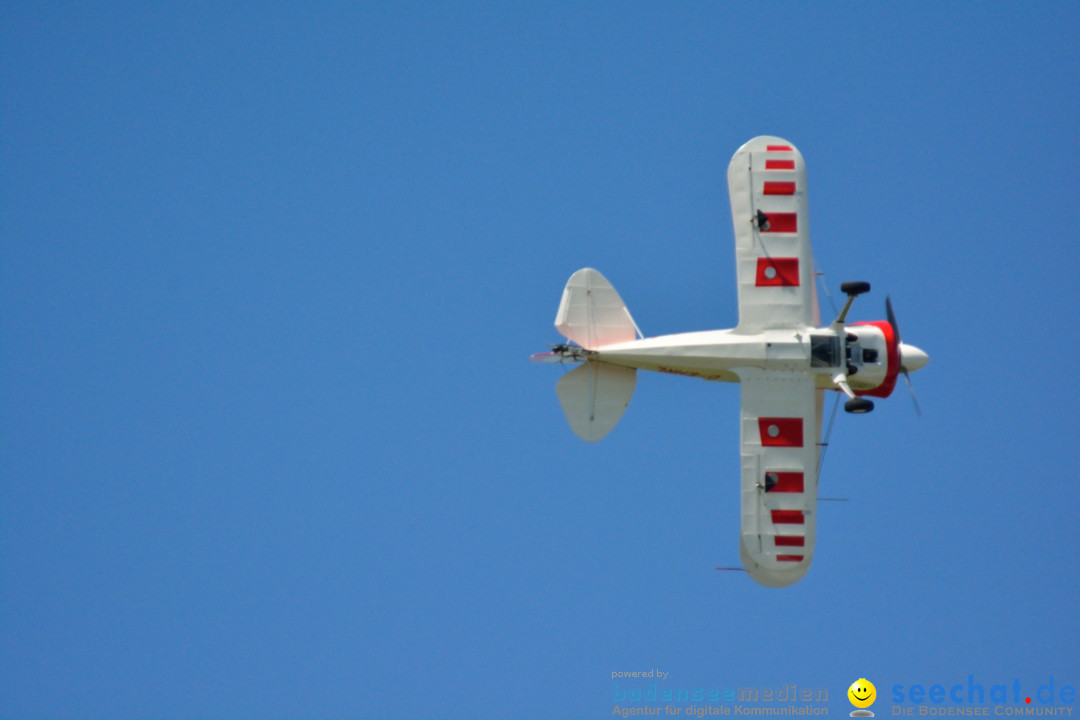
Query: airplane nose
[(912, 358)]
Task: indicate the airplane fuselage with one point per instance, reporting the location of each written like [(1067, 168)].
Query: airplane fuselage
[(717, 355)]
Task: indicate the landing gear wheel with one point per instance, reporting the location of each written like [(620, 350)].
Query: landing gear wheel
[(858, 405), (855, 288)]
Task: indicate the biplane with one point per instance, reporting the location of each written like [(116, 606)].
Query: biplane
[(780, 353)]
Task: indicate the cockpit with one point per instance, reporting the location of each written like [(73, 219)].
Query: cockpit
[(824, 351)]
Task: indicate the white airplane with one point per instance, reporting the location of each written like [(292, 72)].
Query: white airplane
[(781, 355)]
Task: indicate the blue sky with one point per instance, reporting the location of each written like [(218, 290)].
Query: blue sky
[(271, 447)]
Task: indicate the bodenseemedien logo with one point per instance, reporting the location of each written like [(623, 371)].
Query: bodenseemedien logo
[(862, 694)]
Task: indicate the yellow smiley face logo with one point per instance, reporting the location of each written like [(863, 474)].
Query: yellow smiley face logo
[(862, 693)]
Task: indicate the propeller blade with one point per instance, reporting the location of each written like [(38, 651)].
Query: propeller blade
[(892, 318), (896, 331), (911, 389)]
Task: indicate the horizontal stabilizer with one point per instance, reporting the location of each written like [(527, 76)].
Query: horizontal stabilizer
[(594, 396), (592, 314)]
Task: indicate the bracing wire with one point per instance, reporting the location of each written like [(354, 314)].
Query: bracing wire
[(828, 434), (828, 295)]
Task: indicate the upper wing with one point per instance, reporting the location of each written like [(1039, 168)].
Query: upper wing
[(780, 431), (774, 261)]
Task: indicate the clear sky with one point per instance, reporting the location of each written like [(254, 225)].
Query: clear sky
[(270, 445)]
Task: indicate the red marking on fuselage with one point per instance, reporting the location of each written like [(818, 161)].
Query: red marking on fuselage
[(779, 148), (789, 540), (687, 373)]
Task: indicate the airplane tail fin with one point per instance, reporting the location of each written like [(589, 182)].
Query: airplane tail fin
[(592, 314), (594, 395)]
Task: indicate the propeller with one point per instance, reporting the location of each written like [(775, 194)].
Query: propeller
[(892, 317), (913, 353)]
